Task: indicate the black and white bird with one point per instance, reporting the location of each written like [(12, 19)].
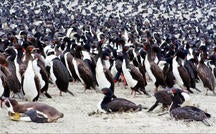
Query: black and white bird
[(164, 97), (82, 70), (153, 70), (30, 81), (67, 59), (132, 75), (59, 75), (31, 111), (110, 104), (190, 65), (13, 84), (137, 61), (182, 77), (57, 71), (103, 75), (205, 74), (12, 57), (40, 71), (186, 112)]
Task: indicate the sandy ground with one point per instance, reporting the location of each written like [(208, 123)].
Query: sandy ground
[(76, 119)]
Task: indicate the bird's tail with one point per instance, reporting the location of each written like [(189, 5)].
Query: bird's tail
[(70, 92), (205, 121)]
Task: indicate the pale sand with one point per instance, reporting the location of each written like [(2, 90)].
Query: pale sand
[(76, 119)]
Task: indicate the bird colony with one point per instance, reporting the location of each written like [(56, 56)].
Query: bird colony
[(159, 50)]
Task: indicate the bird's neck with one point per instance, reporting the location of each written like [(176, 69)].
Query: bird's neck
[(173, 106), (106, 100), (175, 103)]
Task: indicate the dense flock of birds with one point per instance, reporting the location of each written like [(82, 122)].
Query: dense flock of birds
[(99, 43)]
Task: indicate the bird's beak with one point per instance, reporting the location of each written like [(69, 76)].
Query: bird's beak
[(185, 91)]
